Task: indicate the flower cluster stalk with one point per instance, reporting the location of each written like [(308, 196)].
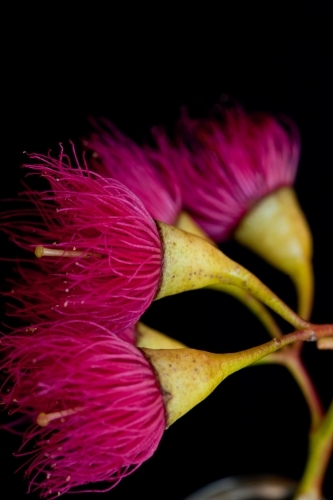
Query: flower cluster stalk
[(320, 450), (321, 428)]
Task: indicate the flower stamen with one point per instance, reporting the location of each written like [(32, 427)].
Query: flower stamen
[(44, 419), (41, 251)]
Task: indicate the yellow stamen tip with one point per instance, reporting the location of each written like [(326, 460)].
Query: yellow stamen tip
[(42, 419), (39, 251)]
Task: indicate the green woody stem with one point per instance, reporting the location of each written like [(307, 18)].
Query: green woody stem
[(320, 449), (321, 432)]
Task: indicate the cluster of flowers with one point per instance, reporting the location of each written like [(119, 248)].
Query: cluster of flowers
[(139, 224)]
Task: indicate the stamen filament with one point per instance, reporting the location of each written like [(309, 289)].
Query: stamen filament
[(41, 251)]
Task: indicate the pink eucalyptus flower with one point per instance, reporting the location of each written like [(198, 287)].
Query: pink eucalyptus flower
[(91, 402), (225, 166), (105, 252), (144, 171), (33, 307)]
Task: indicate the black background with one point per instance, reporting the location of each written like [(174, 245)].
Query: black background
[(138, 69)]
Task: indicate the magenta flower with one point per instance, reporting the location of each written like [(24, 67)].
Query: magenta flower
[(144, 171), (91, 402), (34, 307), (225, 166), (104, 250)]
